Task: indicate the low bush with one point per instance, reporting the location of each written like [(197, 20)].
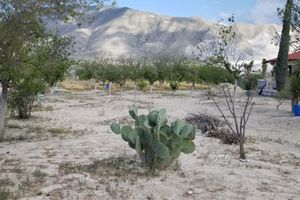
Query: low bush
[(142, 84), (215, 74), (23, 95), (295, 86), (174, 85), (249, 82)]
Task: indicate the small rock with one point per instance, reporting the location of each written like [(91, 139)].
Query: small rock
[(182, 175), (190, 192)]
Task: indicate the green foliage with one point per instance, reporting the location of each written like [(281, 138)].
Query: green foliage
[(149, 73), (174, 71), (295, 22), (192, 72), (45, 62), (24, 92), (20, 24), (116, 73), (295, 85), (249, 81), (215, 74), (142, 84), (86, 71), (50, 55), (157, 142), (282, 58), (177, 70), (135, 70), (174, 85), (285, 93), (161, 65)]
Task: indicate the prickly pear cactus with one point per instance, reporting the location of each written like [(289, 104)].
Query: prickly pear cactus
[(157, 142)]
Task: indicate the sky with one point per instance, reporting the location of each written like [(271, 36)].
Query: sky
[(247, 11)]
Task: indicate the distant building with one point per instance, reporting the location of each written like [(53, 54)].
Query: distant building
[(293, 58), (268, 87)]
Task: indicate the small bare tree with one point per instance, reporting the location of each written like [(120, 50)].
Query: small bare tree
[(225, 52), (240, 114)]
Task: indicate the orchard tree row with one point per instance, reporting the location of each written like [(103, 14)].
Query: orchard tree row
[(173, 71)]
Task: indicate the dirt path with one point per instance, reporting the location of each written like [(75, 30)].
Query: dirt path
[(67, 151)]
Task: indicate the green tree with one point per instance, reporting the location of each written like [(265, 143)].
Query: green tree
[(295, 86), (295, 25), (21, 23), (123, 75), (162, 67), (24, 91), (51, 57), (282, 58), (150, 74), (100, 70), (211, 74), (45, 62), (88, 70), (192, 74), (135, 72), (176, 73)]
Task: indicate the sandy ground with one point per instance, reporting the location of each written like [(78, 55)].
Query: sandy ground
[(67, 151)]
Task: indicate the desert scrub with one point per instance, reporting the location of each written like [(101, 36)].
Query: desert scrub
[(39, 175), (157, 143), (5, 189), (142, 84), (108, 167), (174, 85)]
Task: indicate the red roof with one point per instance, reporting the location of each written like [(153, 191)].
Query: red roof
[(292, 56)]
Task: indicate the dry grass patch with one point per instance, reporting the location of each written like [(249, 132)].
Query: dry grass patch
[(39, 175), (59, 131), (13, 126), (76, 85), (109, 167), (42, 108), (17, 132)]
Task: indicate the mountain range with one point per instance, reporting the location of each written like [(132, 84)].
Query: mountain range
[(124, 32)]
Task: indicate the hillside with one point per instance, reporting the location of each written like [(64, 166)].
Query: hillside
[(116, 32)]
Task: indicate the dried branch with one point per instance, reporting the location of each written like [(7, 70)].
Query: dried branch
[(223, 115), (241, 119)]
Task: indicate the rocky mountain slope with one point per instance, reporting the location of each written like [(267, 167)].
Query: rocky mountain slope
[(116, 32)]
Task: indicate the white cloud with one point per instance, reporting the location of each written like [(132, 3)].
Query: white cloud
[(265, 11)]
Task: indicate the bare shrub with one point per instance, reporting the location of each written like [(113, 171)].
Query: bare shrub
[(240, 114), (213, 127)]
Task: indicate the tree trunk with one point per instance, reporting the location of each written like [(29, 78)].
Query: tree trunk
[(161, 83), (235, 83), (282, 58), (151, 88), (135, 91), (264, 68), (3, 107), (242, 151), (110, 86)]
